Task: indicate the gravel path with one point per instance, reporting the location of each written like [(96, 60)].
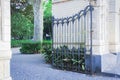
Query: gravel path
[(33, 67)]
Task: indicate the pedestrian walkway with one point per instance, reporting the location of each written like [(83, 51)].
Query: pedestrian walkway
[(33, 67)]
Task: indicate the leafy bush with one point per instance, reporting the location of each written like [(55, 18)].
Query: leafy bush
[(65, 58), (69, 59), (31, 48), (47, 51)]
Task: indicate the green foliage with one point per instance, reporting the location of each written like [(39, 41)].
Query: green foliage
[(47, 18), (30, 47), (47, 51), (26, 9), (22, 28), (47, 42), (21, 19), (18, 5), (28, 12), (18, 43), (68, 59), (64, 57), (47, 8)]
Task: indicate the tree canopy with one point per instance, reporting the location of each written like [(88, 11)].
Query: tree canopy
[(47, 18), (21, 19), (22, 28), (32, 12)]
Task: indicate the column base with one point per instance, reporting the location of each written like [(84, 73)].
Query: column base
[(109, 61), (101, 63), (5, 57), (95, 64), (118, 58)]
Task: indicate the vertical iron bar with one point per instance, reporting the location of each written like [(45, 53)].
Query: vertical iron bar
[(81, 36), (78, 43), (91, 9), (57, 43), (71, 35), (62, 36), (85, 36), (73, 40), (67, 64), (71, 43), (52, 40)]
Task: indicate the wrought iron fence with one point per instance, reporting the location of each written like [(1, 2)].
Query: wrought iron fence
[(72, 41)]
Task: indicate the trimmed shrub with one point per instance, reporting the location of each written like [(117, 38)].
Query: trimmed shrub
[(31, 48)]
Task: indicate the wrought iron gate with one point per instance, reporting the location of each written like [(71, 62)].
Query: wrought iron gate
[(72, 41)]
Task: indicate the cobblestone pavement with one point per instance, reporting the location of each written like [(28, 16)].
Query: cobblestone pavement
[(33, 67)]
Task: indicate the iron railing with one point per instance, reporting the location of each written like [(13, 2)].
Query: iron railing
[(72, 41)]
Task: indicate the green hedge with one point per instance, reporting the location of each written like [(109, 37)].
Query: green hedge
[(30, 47), (18, 43)]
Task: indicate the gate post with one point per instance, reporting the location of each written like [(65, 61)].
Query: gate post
[(5, 49), (100, 60), (117, 30), (114, 24)]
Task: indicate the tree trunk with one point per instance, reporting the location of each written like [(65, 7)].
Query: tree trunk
[(38, 20)]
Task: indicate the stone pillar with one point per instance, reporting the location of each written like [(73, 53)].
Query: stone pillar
[(116, 44), (5, 49), (114, 38), (117, 26), (100, 60), (114, 29)]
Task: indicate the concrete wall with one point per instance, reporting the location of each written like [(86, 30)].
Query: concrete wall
[(5, 49)]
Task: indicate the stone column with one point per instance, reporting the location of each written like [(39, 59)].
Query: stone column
[(116, 44), (114, 38), (100, 60), (114, 29), (5, 49)]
